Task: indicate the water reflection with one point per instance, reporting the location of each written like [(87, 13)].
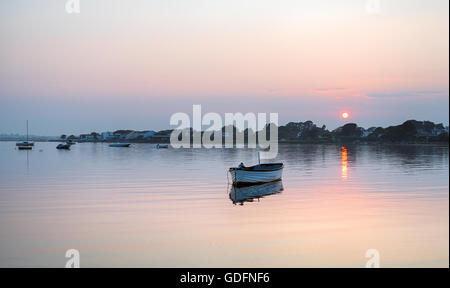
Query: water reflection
[(344, 163), (250, 193), (113, 204), (27, 158), (28, 163)]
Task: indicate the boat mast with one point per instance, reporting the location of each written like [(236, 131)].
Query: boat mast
[(27, 130)]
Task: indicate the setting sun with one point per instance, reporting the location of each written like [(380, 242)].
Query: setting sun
[(345, 115)]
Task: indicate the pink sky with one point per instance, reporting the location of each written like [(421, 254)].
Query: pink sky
[(134, 63)]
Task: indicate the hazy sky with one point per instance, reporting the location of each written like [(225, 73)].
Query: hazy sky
[(133, 63)]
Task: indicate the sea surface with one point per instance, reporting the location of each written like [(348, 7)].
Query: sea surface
[(144, 207)]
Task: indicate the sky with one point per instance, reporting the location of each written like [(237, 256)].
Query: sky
[(131, 64)]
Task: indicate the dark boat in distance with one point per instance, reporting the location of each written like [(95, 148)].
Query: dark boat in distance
[(24, 143), (124, 145), (63, 146), (258, 174)]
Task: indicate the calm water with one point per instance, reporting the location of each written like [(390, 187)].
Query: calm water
[(171, 208)]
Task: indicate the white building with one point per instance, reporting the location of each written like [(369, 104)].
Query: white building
[(107, 135)]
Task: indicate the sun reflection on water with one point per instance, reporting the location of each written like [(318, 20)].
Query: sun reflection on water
[(344, 163)]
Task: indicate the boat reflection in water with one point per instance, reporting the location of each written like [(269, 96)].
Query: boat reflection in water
[(250, 193)]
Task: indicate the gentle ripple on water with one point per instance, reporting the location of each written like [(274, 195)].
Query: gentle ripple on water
[(170, 208)]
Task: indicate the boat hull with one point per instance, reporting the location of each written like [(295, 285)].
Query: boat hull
[(63, 147), (25, 147), (245, 177), (120, 145)]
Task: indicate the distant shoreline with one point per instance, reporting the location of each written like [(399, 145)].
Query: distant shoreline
[(362, 143), (410, 132)]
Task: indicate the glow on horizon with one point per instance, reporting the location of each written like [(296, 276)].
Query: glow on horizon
[(135, 62)]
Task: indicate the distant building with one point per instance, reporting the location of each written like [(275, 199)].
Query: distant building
[(122, 134), (108, 136), (427, 128), (439, 129), (139, 135), (367, 132), (87, 137)]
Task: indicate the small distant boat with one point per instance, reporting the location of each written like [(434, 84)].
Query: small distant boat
[(120, 145), (25, 145), (249, 193), (70, 142), (162, 146), (63, 146), (258, 174)]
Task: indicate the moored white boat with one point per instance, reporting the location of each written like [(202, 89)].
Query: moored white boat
[(120, 145), (261, 173), (25, 145)]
